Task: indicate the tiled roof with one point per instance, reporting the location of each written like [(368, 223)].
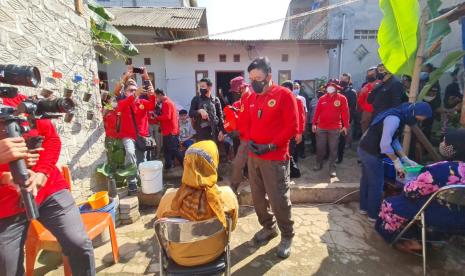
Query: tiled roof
[(164, 18)]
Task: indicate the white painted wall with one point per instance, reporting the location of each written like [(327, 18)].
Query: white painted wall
[(305, 62)]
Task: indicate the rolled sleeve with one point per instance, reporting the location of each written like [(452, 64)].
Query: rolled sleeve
[(390, 126)]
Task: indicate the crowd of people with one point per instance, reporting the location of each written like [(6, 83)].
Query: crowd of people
[(265, 125)]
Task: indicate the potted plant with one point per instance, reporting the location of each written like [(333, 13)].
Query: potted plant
[(87, 95), (69, 117), (68, 90), (90, 114), (46, 93)]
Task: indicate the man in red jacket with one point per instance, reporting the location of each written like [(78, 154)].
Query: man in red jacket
[(271, 119), (240, 87), (134, 110), (362, 101), (57, 209), (169, 124), (331, 119)]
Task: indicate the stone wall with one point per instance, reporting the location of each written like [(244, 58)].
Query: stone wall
[(51, 35)]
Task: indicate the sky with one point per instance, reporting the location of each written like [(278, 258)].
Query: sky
[(224, 15)]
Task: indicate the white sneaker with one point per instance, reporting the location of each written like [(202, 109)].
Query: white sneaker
[(362, 212)]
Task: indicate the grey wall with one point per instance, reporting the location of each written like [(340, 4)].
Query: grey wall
[(144, 3), (49, 34)]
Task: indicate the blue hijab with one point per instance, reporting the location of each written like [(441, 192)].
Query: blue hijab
[(406, 113)]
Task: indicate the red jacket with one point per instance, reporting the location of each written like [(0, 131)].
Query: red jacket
[(332, 112), (141, 109), (363, 97), (110, 118), (242, 127), (169, 119), (9, 196), (302, 116), (271, 118)]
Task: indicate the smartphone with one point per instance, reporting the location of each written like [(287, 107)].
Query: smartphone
[(137, 70)]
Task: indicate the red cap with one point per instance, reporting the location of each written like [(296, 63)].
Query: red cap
[(237, 83)]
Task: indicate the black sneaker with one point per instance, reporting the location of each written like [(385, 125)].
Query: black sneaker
[(284, 248), (133, 191), (264, 235)]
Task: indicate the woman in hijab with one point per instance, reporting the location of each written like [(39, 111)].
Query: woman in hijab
[(199, 198), (397, 211), (380, 140)]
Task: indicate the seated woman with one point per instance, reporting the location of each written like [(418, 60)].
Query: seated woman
[(397, 211), (199, 198)]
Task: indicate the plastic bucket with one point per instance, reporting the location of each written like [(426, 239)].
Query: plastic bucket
[(151, 176), (98, 200), (110, 208), (411, 173)]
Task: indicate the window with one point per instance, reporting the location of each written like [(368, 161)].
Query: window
[(284, 75), (147, 61), (201, 58), (361, 52), (100, 59), (200, 74), (152, 78), (128, 61), (284, 57), (103, 77), (223, 58), (237, 58), (366, 34)]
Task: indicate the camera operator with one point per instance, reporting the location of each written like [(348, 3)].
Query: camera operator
[(57, 209), (135, 112)]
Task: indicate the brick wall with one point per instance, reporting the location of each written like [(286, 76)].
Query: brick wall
[(49, 34)]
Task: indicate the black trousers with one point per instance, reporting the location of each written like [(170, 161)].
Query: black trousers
[(171, 150), (60, 215), (341, 147)]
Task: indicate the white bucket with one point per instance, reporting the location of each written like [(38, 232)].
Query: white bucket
[(151, 176)]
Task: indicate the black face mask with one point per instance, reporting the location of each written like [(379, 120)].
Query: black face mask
[(381, 76), (258, 86), (371, 79), (344, 83), (203, 91)]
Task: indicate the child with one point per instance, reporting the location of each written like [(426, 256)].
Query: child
[(186, 132)]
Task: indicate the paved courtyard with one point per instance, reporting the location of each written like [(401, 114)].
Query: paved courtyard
[(330, 240)]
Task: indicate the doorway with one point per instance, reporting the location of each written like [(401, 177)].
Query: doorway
[(222, 85)]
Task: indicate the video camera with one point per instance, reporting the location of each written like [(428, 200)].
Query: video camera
[(11, 120)]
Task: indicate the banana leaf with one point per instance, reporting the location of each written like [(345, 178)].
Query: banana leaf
[(104, 169), (447, 63), (125, 172), (437, 30), (105, 32), (100, 10), (397, 35)]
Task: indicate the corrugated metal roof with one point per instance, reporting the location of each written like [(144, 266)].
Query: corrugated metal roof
[(164, 18)]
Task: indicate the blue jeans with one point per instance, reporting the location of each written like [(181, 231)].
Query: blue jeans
[(134, 156), (371, 183)]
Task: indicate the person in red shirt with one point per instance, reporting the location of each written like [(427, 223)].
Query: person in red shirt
[(134, 110), (169, 124), (241, 89), (362, 101), (297, 140), (57, 209), (331, 119), (271, 118)]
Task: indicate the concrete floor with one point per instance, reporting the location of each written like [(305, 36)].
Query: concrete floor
[(330, 240)]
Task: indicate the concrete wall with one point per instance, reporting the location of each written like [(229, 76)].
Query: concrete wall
[(306, 62), (49, 34), (143, 3)]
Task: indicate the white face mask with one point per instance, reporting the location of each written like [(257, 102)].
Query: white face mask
[(296, 91), (114, 105), (330, 89)]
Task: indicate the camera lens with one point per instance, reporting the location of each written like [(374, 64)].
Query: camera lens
[(19, 75), (60, 105)]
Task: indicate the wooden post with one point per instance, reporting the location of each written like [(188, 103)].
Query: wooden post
[(462, 116), (79, 7), (414, 87), (425, 143)]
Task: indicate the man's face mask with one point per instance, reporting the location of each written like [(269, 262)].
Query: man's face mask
[(331, 89), (296, 91), (258, 86), (381, 75), (203, 91), (344, 83), (371, 78)]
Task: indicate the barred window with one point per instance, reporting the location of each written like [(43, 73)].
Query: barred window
[(366, 34)]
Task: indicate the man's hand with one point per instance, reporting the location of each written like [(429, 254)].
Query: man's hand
[(344, 131), (298, 138), (145, 75), (12, 149), (314, 128), (260, 149), (203, 114), (32, 157), (35, 182), (221, 136), (129, 73)]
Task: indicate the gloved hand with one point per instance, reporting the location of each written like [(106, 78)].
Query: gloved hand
[(407, 162), (399, 167), (260, 149)]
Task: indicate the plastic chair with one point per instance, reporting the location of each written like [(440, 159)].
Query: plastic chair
[(452, 194), (182, 231), (39, 238)]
